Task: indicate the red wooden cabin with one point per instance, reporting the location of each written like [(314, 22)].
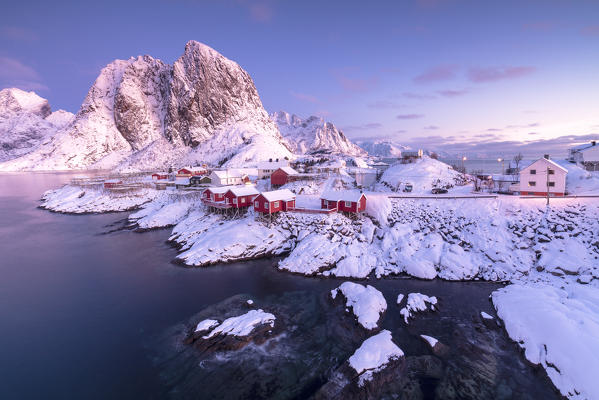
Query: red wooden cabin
[(275, 201), (282, 176), (191, 171), (215, 194), (159, 176), (112, 183), (241, 197), (347, 201)]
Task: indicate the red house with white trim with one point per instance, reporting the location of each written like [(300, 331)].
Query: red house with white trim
[(283, 175), (215, 194), (241, 197), (275, 201), (159, 176), (343, 200), (191, 171)]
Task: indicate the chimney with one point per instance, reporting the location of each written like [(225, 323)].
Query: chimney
[(593, 142), (546, 156)]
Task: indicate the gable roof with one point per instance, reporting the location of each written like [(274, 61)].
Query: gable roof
[(551, 162), (272, 164), (243, 190), (227, 174), (289, 170), (585, 146), (220, 189), (279, 195), (343, 195)]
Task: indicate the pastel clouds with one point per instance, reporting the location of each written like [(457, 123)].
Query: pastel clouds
[(438, 73), (492, 74)]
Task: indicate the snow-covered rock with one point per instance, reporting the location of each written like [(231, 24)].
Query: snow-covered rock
[(382, 148), (373, 356), (314, 135), (417, 302), (142, 113), (558, 329), (242, 325), (78, 200), (366, 302), (423, 174)]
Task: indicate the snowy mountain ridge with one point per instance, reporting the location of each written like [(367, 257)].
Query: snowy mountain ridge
[(382, 147), (314, 135), (27, 121), (143, 113)]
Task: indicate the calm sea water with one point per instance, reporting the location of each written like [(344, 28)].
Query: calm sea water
[(84, 308)]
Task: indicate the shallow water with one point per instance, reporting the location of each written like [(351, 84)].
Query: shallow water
[(88, 312)]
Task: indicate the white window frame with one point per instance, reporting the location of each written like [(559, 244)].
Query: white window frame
[(234, 200), (275, 204), (347, 203), (256, 204)]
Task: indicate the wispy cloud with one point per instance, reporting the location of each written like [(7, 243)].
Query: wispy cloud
[(258, 10), (438, 73), (350, 82), (304, 97), (409, 116), (417, 96), (18, 34), (363, 127), (431, 127), (385, 104), (591, 30), (453, 92), (491, 74), (14, 73)]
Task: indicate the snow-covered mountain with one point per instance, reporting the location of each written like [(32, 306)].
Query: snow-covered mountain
[(314, 135), (142, 113), (382, 148), (26, 121)]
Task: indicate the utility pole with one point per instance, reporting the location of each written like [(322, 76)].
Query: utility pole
[(547, 185)]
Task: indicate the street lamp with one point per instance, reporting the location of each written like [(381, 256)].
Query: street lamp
[(463, 159), (501, 160)]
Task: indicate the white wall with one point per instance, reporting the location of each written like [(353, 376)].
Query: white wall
[(541, 166)]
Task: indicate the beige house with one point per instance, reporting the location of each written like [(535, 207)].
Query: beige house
[(543, 176)]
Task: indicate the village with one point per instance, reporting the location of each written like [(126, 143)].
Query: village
[(337, 185)]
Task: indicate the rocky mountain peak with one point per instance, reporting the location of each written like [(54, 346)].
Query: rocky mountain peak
[(15, 101)]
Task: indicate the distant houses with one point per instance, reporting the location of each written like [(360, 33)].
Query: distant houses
[(586, 155), (543, 177), (187, 172), (241, 197), (227, 177), (265, 169)]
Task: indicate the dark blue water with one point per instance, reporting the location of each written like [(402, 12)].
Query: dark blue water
[(79, 306)]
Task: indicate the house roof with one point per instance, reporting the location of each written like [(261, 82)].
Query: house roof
[(244, 190), (553, 163), (227, 174), (585, 146), (343, 195), (272, 164), (279, 195), (220, 189), (192, 169), (289, 171)]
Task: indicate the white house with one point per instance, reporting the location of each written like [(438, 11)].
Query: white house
[(265, 169), (586, 154), (543, 176), (226, 177)]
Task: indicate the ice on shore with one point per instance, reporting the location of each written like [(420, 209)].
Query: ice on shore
[(366, 302), (373, 356)]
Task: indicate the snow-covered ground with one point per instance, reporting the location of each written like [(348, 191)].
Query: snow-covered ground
[(241, 325)]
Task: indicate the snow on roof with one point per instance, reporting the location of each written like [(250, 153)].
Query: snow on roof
[(279, 195), (344, 195), (227, 174), (584, 146), (272, 164), (220, 189), (192, 169), (547, 160), (244, 190), (289, 171)]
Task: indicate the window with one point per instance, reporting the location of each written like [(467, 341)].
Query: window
[(348, 204), (242, 200), (275, 204), (326, 203), (533, 171), (266, 205), (234, 200), (551, 172), (551, 184), (532, 183), (256, 204)]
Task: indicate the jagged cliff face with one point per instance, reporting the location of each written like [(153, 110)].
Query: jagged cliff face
[(314, 135), (26, 121), (142, 113)]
